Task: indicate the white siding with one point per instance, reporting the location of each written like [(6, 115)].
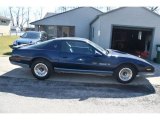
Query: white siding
[(5, 30)]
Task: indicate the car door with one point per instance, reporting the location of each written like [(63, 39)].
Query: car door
[(69, 58), (81, 55)]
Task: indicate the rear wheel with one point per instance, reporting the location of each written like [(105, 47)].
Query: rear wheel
[(41, 69), (125, 73)]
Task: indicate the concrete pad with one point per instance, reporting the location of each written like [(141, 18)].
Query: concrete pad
[(14, 71)]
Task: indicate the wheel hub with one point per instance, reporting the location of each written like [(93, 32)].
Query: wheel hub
[(40, 69), (125, 74)]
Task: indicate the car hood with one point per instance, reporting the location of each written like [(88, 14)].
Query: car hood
[(26, 40), (117, 53)]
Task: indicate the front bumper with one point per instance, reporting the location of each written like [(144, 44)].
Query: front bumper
[(149, 69), (147, 72)]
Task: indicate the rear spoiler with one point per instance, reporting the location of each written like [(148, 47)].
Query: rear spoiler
[(18, 46)]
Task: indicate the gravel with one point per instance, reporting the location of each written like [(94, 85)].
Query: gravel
[(32, 96)]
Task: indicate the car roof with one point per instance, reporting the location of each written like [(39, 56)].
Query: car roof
[(72, 38)]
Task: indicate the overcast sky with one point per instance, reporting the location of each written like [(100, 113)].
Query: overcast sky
[(5, 9), (52, 5)]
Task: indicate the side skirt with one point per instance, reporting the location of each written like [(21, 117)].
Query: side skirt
[(77, 71)]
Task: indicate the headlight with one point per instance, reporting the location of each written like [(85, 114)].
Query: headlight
[(149, 69), (32, 42)]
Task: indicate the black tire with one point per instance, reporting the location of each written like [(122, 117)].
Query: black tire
[(46, 63), (121, 69)]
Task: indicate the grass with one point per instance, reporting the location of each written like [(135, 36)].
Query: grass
[(5, 41)]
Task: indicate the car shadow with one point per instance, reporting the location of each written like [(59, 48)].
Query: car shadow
[(20, 81), (7, 53)]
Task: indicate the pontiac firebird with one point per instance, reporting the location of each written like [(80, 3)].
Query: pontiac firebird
[(78, 55)]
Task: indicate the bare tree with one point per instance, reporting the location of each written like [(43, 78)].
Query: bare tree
[(20, 16), (5, 13), (11, 14), (15, 15), (24, 17), (99, 8), (28, 16), (38, 13), (154, 9), (108, 9), (104, 9), (17, 12), (63, 9)]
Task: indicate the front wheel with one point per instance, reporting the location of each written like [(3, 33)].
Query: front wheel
[(41, 69), (125, 73)]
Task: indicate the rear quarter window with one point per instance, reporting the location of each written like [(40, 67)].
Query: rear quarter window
[(48, 45)]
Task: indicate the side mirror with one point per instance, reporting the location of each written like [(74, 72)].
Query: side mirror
[(46, 38), (53, 37), (42, 38)]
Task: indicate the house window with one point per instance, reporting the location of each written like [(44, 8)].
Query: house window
[(3, 21), (92, 32), (65, 31)]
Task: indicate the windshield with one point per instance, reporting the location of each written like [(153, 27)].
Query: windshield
[(31, 35), (98, 47)]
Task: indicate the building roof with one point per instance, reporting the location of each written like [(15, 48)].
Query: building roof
[(98, 16), (48, 14), (63, 13), (4, 18)]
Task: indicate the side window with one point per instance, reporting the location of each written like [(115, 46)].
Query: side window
[(77, 47), (48, 45), (45, 35), (66, 47)]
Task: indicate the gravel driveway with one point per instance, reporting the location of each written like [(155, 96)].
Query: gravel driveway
[(21, 95)]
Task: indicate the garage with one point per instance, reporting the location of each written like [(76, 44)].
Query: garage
[(133, 40), (134, 30)]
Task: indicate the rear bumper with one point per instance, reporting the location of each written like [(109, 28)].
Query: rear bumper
[(18, 46), (19, 64), (16, 60)]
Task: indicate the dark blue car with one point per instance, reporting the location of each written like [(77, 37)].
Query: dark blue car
[(78, 55)]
